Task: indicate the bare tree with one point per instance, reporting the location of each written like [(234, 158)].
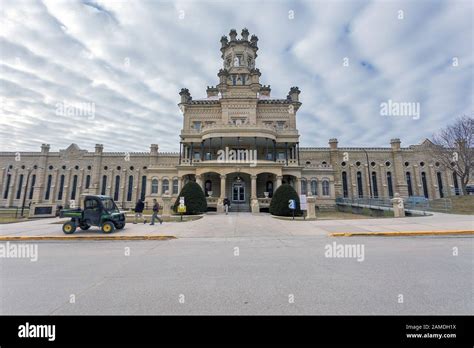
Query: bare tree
[(453, 147)]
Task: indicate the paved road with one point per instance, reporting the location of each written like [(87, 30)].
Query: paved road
[(258, 281)]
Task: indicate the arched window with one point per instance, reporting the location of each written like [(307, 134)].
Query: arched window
[(325, 185), (207, 187), (61, 187), (269, 188), (456, 184), (389, 184), (74, 187), (345, 190), (360, 189), (314, 187), (165, 186), (175, 186), (440, 185), (130, 188), (88, 181), (425, 184), (104, 185), (32, 187), (409, 184), (20, 183), (117, 187), (304, 187), (7, 187), (154, 186), (143, 190), (375, 189), (48, 187)]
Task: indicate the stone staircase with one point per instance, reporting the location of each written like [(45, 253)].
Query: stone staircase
[(239, 207)]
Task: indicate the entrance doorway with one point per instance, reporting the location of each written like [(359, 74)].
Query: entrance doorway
[(238, 191)]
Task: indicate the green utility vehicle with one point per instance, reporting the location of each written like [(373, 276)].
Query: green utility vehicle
[(97, 210)]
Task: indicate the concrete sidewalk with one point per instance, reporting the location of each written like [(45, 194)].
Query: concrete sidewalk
[(248, 225)]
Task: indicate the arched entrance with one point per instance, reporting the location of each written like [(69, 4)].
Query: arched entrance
[(238, 190)]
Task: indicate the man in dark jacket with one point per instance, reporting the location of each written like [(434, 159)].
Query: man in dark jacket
[(156, 208), (139, 211), (226, 205)]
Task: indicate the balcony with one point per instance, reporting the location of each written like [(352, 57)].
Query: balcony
[(250, 130)]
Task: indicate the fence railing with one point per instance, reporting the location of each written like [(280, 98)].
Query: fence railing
[(412, 203)]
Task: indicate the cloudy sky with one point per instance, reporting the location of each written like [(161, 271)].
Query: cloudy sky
[(110, 71)]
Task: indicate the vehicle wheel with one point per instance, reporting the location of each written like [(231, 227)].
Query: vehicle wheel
[(69, 227), (120, 226), (108, 227), (85, 227)]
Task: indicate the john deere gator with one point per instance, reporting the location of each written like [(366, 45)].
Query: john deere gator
[(98, 211)]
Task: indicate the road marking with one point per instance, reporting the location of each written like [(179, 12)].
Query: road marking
[(10, 238), (402, 233)]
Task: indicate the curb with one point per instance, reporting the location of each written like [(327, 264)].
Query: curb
[(402, 233), (20, 238)]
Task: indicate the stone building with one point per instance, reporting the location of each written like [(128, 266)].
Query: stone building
[(239, 143)]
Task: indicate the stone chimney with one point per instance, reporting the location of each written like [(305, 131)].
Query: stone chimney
[(395, 144), (233, 34), (212, 91), (245, 34), (185, 96), (224, 41), (154, 149), (99, 148), (293, 95), (265, 90), (254, 40), (45, 148), (333, 143)]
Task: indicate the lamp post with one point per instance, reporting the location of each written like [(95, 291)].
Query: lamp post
[(368, 172)]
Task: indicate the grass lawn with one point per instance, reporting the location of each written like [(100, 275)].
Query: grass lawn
[(461, 205), (11, 219)]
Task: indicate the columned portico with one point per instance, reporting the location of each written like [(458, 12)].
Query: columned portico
[(253, 197), (279, 180)]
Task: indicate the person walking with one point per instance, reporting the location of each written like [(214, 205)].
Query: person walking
[(226, 205), (139, 211), (156, 208)]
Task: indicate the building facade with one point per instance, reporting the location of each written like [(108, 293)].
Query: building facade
[(239, 143)]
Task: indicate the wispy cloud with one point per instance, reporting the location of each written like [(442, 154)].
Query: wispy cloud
[(129, 59)]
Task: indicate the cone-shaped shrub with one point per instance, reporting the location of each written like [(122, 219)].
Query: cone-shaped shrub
[(280, 201), (194, 199)]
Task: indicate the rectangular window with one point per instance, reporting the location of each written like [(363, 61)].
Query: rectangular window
[(197, 125)]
